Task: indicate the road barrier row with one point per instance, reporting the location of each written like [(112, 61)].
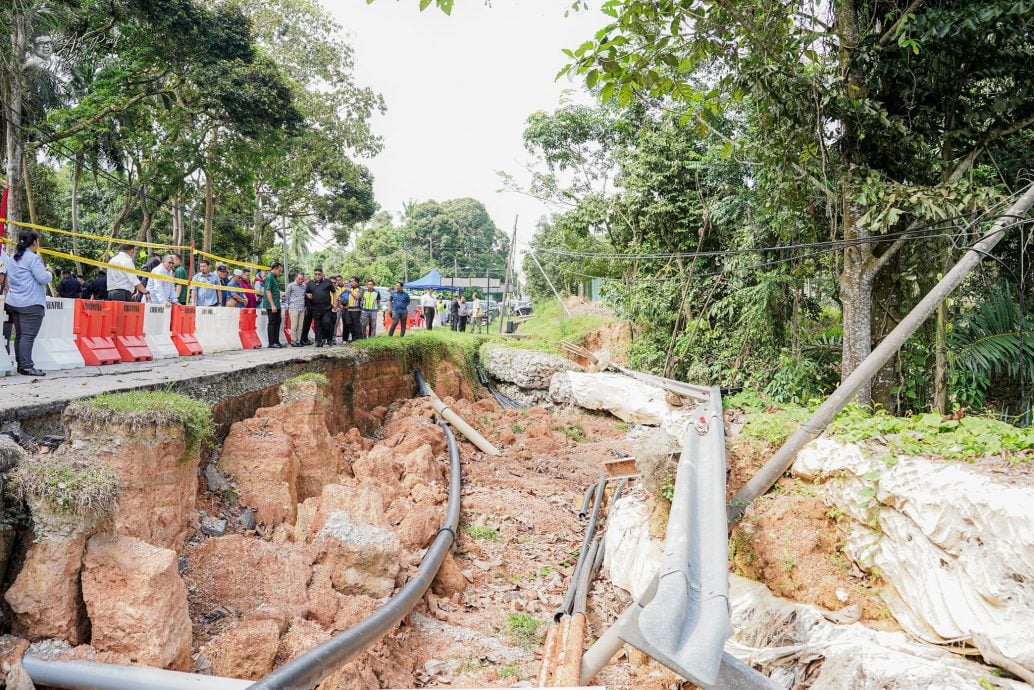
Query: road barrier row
[(77, 333)]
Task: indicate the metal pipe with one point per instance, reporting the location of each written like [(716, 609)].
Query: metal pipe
[(567, 673), (768, 475), (699, 393), (85, 674), (549, 652), (311, 668), (590, 530)]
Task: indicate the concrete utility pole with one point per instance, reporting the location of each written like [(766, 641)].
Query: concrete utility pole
[(507, 275), (283, 230), (816, 424)]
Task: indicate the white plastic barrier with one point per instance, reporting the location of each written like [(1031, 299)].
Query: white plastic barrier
[(230, 330), (206, 329), (158, 331), (262, 326), (55, 346)]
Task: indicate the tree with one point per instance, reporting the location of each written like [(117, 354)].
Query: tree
[(878, 111), (457, 232)]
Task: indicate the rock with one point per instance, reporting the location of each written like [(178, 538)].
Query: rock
[(362, 504), (420, 467), (450, 381), (245, 572), (419, 527), (215, 479), (353, 609), (11, 650), (202, 666), (10, 452), (18, 679), (364, 559), (245, 650), (247, 519), (137, 602), (525, 368), (158, 470), (303, 413), (7, 536), (324, 600), (257, 453), (407, 432), (302, 636), (381, 471), (626, 398), (450, 579), (213, 526), (45, 597)]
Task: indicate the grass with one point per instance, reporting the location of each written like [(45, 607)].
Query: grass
[(69, 486), (517, 428), (509, 671), (318, 379), (423, 348), (928, 434), (522, 629), (550, 324), (575, 432), (151, 407), (482, 532)]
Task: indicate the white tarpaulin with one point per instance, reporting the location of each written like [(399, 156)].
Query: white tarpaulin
[(631, 558), (626, 398), (954, 545)]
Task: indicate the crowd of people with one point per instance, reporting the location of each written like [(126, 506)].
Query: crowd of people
[(334, 310)]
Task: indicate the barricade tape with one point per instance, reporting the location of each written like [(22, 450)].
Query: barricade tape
[(135, 243), (136, 271)]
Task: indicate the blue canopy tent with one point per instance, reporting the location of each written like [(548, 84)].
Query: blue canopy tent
[(431, 281)]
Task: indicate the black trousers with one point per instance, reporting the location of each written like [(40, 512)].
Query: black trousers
[(120, 296), (429, 317), (353, 326), (27, 322), (398, 317), (307, 325), (463, 324), (326, 321), (273, 327)]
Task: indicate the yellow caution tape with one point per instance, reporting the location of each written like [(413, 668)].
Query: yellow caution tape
[(138, 272), (135, 243)]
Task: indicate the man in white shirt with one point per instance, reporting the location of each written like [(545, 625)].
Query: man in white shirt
[(428, 302), (121, 284), (164, 291)]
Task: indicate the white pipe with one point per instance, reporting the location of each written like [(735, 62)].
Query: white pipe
[(461, 426), (85, 675)]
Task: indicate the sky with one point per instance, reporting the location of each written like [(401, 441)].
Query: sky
[(458, 90)]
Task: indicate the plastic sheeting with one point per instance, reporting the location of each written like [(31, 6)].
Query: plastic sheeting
[(954, 545), (626, 398), (631, 558), (794, 644)]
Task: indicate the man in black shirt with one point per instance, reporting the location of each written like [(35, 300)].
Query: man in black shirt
[(69, 286), (97, 288), (319, 294)]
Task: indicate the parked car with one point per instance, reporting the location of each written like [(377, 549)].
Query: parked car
[(520, 307)]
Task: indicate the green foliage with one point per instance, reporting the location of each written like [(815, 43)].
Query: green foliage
[(69, 486), (517, 428), (309, 376), (522, 628), (549, 325), (573, 431), (481, 532), (160, 407), (928, 434)]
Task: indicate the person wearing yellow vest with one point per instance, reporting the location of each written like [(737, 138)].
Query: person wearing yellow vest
[(351, 302), (371, 306)]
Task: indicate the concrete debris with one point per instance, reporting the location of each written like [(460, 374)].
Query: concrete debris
[(247, 519), (626, 398), (215, 479)]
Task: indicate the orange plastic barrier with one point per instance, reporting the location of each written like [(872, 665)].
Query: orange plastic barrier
[(129, 332), (94, 328), (183, 331), (249, 336)]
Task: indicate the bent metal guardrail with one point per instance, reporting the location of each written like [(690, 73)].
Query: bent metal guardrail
[(683, 620), (306, 671)]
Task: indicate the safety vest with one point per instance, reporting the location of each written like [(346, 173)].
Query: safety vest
[(370, 300)]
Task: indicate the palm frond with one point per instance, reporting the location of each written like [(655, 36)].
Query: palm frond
[(990, 342)]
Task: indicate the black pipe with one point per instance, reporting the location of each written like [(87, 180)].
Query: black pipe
[(590, 491), (313, 667), (581, 588), (590, 531)]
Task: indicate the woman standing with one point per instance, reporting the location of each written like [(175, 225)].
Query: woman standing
[(27, 279)]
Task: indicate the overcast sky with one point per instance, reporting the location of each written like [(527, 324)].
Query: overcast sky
[(458, 90)]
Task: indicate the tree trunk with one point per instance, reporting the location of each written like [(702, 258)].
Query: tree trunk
[(177, 222), (14, 144), (885, 317), (77, 172), (28, 189), (206, 241), (940, 379), (856, 281)]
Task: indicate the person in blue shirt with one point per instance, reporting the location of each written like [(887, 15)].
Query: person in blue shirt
[(399, 309), (205, 297), (27, 279)]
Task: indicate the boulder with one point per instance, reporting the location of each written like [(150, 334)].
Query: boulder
[(420, 526), (303, 413), (45, 598), (302, 636), (257, 453), (157, 467), (246, 649), (245, 572), (363, 559), (412, 427), (626, 398), (524, 368), (137, 602), (381, 470), (449, 580), (421, 467)]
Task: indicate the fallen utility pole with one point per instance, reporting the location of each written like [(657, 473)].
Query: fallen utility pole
[(816, 424)]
